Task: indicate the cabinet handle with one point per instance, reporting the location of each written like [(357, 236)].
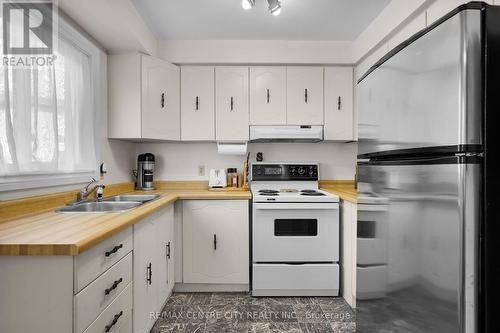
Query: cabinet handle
[(305, 95), (339, 103), (215, 242), (162, 100), (107, 328), (196, 103), (113, 287), (268, 96), (150, 274), (114, 250), (168, 250), (232, 103)]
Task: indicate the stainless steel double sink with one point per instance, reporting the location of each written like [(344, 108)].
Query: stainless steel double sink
[(116, 203)]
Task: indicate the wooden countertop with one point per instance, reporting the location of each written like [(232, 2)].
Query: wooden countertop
[(346, 191), (52, 233)]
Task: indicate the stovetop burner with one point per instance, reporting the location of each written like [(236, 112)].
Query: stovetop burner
[(308, 191), (311, 193), (269, 191)]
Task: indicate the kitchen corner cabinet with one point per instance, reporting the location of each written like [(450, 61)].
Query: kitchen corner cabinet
[(304, 95), (339, 111), (215, 242), (153, 266), (143, 97), (348, 227), (267, 95), (197, 103), (231, 104)]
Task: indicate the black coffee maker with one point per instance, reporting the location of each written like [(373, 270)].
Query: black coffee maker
[(144, 172)]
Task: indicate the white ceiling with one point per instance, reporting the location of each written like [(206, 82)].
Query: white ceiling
[(226, 20)]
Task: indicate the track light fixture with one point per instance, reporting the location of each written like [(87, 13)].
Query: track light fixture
[(247, 4), (274, 6)]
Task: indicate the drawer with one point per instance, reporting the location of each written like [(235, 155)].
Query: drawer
[(117, 318), (92, 263), (371, 251), (295, 280), (371, 282), (94, 298)]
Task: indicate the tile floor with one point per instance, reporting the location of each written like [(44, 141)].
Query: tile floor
[(239, 312)]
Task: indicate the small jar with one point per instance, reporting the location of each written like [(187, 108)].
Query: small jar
[(231, 172)]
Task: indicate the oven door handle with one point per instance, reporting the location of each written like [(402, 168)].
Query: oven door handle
[(295, 206)]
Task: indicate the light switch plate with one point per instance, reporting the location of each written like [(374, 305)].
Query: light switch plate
[(201, 170)]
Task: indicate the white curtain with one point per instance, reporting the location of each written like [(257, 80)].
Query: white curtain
[(47, 117)]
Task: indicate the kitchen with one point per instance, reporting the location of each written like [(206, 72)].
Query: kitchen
[(227, 166)]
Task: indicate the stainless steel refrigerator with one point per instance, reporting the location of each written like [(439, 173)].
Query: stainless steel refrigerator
[(428, 210)]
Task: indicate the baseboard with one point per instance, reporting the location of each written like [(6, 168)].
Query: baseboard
[(209, 287)]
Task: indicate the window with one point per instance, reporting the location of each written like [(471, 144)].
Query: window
[(48, 117)]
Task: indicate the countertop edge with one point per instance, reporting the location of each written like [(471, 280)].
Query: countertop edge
[(120, 222)]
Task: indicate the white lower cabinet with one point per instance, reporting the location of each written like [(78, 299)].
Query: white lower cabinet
[(348, 227), (152, 262), (215, 242)]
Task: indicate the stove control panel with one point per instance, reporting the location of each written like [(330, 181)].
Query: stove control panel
[(272, 172)]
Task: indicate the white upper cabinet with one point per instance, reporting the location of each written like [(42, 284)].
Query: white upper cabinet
[(267, 95), (144, 98), (304, 95), (339, 113), (161, 99), (231, 103), (197, 103)]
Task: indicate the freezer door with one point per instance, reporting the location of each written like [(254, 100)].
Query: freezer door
[(428, 94), (425, 217)]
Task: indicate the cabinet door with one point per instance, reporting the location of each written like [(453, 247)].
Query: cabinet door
[(197, 103), (231, 103), (339, 112), (164, 224), (215, 241), (145, 274), (267, 95), (161, 100), (304, 95)]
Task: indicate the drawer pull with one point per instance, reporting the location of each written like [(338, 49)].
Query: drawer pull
[(215, 242), (114, 250), (168, 250), (113, 323), (113, 287), (150, 274)]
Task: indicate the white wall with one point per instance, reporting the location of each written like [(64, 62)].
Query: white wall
[(255, 52), (115, 24), (180, 161)]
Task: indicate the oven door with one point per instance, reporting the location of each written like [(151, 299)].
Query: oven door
[(295, 232)]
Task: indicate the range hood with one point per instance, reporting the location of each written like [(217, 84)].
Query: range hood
[(286, 133)]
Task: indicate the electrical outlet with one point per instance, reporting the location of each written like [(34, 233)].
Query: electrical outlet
[(201, 170)]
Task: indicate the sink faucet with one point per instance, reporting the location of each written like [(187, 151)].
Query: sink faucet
[(85, 192)]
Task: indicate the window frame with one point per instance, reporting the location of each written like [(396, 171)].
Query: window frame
[(40, 179)]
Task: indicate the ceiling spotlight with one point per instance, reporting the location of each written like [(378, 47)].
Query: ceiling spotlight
[(274, 7), (247, 4)]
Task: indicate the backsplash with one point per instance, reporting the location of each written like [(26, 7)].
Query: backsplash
[(180, 161)]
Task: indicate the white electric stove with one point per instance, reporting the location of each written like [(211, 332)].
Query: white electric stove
[(295, 232)]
